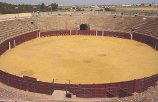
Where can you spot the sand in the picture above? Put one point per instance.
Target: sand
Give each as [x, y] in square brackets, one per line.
[81, 59]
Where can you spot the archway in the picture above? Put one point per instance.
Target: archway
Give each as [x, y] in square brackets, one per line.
[84, 27]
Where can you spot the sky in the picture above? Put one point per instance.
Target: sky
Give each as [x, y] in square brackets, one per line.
[81, 2]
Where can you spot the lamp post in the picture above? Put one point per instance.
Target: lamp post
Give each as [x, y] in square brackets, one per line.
[34, 10]
[16, 11]
[54, 83]
[67, 87]
[75, 28]
[153, 10]
[49, 9]
[66, 23]
[38, 9]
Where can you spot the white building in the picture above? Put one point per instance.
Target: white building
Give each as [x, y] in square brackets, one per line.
[94, 6]
[126, 5]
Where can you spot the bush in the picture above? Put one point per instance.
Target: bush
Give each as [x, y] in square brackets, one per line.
[99, 10]
[79, 9]
[109, 9]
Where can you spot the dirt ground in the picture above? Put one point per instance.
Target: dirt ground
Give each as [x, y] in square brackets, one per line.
[81, 59]
[13, 16]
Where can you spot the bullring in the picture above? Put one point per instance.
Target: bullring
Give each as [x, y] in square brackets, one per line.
[116, 89]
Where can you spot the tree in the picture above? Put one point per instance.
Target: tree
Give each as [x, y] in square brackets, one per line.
[43, 8]
[54, 6]
[6, 8]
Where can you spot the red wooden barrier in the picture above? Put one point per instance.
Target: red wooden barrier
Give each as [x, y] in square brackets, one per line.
[145, 39]
[87, 32]
[4, 46]
[25, 37]
[156, 46]
[55, 33]
[100, 33]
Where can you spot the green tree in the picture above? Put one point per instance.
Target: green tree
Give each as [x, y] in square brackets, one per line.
[54, 6]
[6, 8]
[43, 7]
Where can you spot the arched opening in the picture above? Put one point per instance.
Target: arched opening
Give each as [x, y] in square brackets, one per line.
[84, 27]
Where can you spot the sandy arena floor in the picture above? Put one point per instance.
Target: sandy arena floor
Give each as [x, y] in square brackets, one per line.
[81, 59]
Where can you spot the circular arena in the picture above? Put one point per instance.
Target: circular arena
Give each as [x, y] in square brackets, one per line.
[81, 59]
[86, 62]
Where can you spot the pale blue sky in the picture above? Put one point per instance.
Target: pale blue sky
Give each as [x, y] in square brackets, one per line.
[82, 2]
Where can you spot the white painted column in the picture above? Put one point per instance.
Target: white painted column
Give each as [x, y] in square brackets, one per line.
[9, 45]
[76, 32]
[102, 33]
[14, 43]
[39, 35]
[131, 36]
[156, 45]
[70, 32]
[96, 33]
